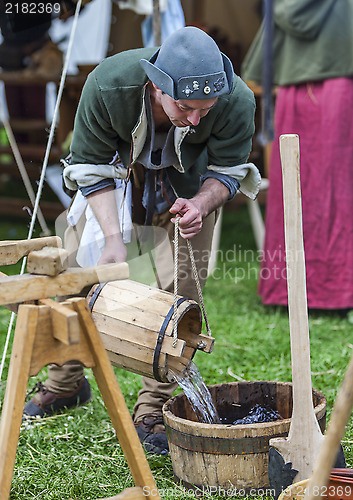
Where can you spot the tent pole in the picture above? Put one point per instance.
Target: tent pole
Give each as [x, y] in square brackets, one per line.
[157, 23]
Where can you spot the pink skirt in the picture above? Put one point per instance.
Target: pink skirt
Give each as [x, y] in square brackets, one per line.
[322, 115]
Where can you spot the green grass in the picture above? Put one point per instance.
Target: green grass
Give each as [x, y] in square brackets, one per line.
[76, 455]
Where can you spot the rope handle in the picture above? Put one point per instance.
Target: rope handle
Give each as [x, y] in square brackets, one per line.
[196, 278]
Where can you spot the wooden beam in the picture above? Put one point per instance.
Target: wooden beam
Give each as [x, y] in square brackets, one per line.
[49, 261]
[13, 250]
[65, 322]
[31, 287]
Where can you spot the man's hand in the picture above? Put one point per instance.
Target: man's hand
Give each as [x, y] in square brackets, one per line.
[211, 195]
[114, 250]
[190, 222]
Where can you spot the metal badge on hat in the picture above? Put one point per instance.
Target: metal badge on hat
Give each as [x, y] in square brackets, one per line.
[207, 88]
[219, 84]
[188, 91]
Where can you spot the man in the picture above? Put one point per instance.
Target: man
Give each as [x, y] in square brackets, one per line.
[182, 123]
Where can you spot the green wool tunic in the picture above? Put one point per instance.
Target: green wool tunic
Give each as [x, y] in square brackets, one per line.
[297, 24]
[111, 109]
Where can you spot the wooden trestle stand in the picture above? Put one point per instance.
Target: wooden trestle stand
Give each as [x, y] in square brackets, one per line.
[52, 332]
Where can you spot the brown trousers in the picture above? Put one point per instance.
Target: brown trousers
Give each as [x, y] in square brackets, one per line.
[153, 394]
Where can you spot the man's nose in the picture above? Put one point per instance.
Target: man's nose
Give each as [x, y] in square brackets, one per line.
[194, 117]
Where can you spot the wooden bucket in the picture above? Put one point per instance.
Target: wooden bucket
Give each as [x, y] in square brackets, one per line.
[135, 322]
[216, 457]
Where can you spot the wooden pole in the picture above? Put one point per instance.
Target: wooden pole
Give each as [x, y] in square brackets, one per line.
[304, 440]
[157, 36]
[15, 394]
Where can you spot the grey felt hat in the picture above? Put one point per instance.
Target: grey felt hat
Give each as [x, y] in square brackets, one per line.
[190, 65]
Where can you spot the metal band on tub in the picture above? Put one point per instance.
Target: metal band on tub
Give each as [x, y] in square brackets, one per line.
[94, 295]
[157, 350]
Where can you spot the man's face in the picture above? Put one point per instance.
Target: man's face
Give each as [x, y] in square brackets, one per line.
[186, 112]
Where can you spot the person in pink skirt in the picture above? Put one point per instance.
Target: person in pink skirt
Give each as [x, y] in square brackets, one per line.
[313, 69]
